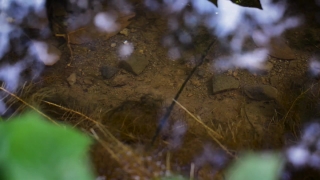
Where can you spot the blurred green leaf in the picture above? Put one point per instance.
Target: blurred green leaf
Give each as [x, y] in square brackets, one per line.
[174, 177]
[256, 166]
[32, 148]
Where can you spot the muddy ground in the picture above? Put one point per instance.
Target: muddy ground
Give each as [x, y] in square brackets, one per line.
[256, 111]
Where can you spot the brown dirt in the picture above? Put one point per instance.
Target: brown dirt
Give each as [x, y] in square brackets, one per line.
[132, 110]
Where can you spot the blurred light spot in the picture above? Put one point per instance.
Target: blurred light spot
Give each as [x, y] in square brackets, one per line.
[203, 6]
[10, 74]
[106, 22]
[178, 130]
[176, 5]
[185, 37]
[41, 50]
[152, 5]
[314, 67]
[82, 4]
[314, 160]
[168, 41]
[125, 50]
[173, 23]
[190, 19]
[174, 53]
[298, 156]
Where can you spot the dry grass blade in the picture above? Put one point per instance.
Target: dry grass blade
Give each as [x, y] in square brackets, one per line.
[27, 104]
[133, 163]
[72, 111]
[198, 120]
[192, 171]
[295, 101]
[208, 129]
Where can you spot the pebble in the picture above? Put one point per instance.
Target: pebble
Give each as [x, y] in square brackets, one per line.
[180, 72]
[229, 72]
[195, 82]
[108, 72]
[135, 64]
[113, 44]
[201, 73]
[264, 80]
[87, 81]
[72, 79]
[261, 92]
[120, 80]
[235, 73]
[223, 82]
[125, 31]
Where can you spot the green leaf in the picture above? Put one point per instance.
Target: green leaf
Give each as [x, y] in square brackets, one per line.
[32, 148]
[173, 177]
[256, 166]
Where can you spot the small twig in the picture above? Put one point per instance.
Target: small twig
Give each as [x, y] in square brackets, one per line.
[70, 49]
[94, 134]
[66, 36]
[166, 116]
[207, 128]
[27, 104]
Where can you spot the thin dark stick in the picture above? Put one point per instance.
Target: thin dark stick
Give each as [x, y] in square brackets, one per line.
[164, 119]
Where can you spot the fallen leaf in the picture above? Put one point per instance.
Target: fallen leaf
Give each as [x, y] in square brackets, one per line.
[90, 32]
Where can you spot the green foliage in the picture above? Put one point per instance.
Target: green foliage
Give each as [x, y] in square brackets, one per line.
[256, 166]
[31, 148]
[174, 177]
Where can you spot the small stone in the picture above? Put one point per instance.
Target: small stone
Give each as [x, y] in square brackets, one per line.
[189, 95]
[83, 49]
[235, 74]
[223, 82]
[264, 80]
[135, 64]
[279, 49]
[72, 79]
[294, 64]
[195, 82]
[180, 72]
[201, 73]
[108, 72]
[261, 92]
[125, 31]
[268, 67]
[119, 81]
[113, 45]
[87, 81]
